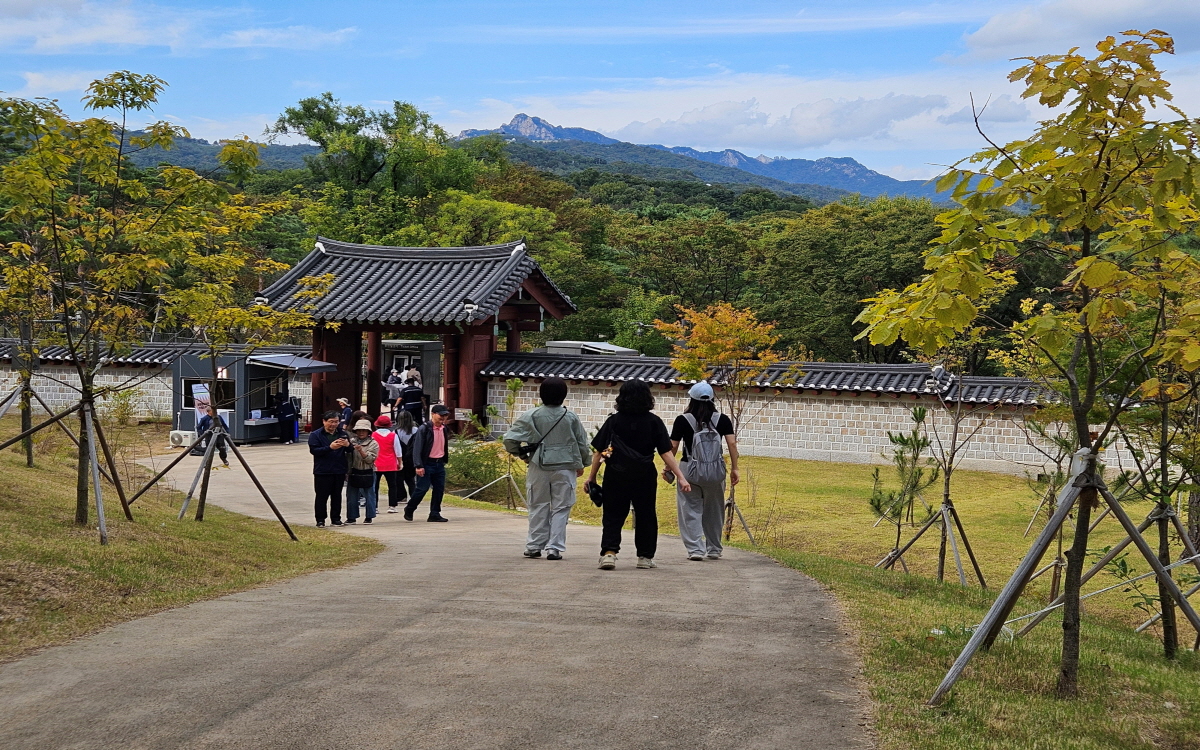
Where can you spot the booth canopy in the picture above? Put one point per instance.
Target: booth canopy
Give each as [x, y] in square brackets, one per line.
[302, 365]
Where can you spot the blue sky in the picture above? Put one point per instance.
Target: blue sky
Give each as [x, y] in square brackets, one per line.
[888, 83]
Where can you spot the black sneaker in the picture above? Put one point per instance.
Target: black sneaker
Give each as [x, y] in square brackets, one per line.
[351, 521]
[532, 553]
[407, 516]
[553, 555]
[320, 524]
[369, 520]
[437, 519]
[337, 523]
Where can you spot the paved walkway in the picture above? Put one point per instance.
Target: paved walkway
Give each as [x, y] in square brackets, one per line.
[450, 639]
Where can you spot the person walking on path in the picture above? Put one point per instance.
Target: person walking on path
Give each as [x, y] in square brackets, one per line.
[630, 438]
[700, 430]
[387, 464]
[411, 398]
[431, 451]
[205, 424]
[557, 461]
[360, 484]
[330, 448]
[345, 413]
[405, 431]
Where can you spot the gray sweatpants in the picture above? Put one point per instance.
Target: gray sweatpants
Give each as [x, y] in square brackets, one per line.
[701, 517]
[551, 496]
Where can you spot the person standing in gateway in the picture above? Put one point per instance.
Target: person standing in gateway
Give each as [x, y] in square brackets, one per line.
[557, 461]
[700, 430]
[431, 451]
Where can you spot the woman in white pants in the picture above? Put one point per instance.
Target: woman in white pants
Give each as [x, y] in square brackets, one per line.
[700, 430]
[562, 452]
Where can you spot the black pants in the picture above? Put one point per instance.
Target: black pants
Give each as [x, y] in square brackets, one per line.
[408, 481]
[621, 492]
[395, 488]
[329, 490]
[435, 479]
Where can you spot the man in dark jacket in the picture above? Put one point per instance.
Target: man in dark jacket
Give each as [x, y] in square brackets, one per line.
[431, 451]
[410, 398]
[330, 449]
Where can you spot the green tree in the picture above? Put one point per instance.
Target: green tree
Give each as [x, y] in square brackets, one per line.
[817, 269]
[1108, 192]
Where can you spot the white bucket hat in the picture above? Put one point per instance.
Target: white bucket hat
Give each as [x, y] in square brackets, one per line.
[362, 424]
[701, 391]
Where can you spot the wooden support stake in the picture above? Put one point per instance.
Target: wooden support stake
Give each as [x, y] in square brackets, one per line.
[1164, 576]
[262, 490]
[170, 466]
[898, 554]
[970, 552]
[87, 420]
[35, 428]
[962, 576]
[199, 473]
[112, 466]
[216, 443]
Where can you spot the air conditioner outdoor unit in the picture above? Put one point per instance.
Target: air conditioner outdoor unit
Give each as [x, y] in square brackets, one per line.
[182, 438]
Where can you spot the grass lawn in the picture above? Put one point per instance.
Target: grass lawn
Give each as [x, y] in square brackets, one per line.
[57, 582]
[814, 517]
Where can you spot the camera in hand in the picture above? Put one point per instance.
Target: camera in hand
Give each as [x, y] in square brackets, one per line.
[526, 451]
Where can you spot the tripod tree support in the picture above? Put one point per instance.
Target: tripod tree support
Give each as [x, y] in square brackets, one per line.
[986, 632]
[112, 464]
[212, 444]
[262, 490]
[170, 466]
[216, 443]
[35, 428]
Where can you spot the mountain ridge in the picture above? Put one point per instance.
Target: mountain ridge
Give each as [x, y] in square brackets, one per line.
[839, 173]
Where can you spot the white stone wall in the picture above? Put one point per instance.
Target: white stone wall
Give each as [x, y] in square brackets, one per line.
[58, 387]
[841, 429]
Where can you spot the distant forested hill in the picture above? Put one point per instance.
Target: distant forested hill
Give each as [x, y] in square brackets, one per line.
[565, 157]
[201, 155]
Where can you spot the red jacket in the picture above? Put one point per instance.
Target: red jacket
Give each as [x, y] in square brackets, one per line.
[389, 451]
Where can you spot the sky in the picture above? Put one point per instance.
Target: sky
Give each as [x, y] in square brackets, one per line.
[887, 83]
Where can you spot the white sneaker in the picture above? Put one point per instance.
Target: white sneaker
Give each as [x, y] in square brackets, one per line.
[714, 555]
[609, 561]
[646, 562]
[696, 556]
[393, 510]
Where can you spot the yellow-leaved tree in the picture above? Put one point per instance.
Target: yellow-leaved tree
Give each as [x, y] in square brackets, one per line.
[1105, 188]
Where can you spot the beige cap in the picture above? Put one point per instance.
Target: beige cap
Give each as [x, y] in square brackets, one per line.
[362, 424]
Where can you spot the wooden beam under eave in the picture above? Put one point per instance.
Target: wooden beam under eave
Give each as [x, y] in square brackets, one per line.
[553, 306]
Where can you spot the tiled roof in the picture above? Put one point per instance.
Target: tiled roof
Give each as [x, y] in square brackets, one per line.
[411, 285]
[146, 354]
[837, 377]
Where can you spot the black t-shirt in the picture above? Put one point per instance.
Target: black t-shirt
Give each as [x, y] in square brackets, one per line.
[645, 433]
[682, 432]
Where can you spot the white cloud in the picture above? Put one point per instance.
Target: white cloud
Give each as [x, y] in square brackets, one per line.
[46, 83]
[1001, 109]
[1056, 25]
[70, 26]
[290, 37]
[804, 126]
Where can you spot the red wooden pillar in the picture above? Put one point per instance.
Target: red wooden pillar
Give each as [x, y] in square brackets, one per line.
[513, 340]
[374, 376]
[450, 371]
[475, 350]
[344, 349]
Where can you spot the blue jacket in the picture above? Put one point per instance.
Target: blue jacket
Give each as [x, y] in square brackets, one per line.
[328, 460]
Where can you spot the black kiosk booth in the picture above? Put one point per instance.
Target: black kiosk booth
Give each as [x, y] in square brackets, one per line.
[246, 391]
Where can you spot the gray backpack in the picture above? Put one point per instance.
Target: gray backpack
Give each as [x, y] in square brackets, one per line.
[705, 462]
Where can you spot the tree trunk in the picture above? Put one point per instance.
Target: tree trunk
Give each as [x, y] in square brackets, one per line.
[1068, 672]
[83, 459]
[1193, 516]
[1170, 630]
[27, 417]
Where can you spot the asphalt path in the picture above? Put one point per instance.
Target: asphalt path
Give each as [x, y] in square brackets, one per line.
[451, 639]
